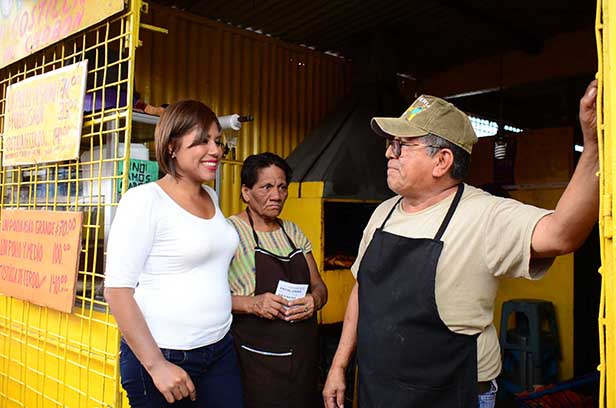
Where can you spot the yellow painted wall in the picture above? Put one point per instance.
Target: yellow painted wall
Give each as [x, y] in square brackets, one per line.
[307, 211]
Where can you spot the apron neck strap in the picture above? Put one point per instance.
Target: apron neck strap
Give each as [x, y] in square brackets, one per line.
[452, 209]
[390, 213]
[445, 223]
[254, 232]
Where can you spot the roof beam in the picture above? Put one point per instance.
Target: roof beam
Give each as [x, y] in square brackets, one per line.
[519, 38]
[564, 56]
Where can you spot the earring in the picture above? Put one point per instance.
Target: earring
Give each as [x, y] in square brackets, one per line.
[173, 155]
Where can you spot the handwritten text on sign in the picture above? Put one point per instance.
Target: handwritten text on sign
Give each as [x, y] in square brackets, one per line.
[139, 172]
[39, 255]
[44, 115]
[27, 26]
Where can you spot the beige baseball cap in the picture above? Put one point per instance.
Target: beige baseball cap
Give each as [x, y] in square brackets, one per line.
[429, 114]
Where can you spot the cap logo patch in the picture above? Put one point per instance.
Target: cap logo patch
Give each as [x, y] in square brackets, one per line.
[414, 112]
[418, 106]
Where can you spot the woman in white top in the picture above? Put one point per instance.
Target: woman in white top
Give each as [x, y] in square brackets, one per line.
[166, 276]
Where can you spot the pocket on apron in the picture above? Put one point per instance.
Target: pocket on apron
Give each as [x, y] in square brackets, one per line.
[267, 374]
[268, 353]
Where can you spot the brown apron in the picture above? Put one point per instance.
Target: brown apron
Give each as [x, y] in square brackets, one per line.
[278, 360]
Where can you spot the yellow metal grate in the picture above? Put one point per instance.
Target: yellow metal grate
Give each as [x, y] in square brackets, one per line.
[49, 358]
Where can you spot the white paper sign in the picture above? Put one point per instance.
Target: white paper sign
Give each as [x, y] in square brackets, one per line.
[44, 117]
[291, 291]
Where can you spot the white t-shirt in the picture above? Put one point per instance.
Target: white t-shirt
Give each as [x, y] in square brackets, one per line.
[487, 238]
[177, 263]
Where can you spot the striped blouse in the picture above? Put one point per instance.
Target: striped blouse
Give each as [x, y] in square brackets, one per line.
[242, 269]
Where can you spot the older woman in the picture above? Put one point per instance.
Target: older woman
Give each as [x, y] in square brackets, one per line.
[276, 337]
[166, 276]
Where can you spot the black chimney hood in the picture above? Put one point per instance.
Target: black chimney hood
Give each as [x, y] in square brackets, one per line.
[344, 152]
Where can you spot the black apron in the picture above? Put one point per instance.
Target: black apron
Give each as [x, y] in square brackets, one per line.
[278, 360]
[407, 356]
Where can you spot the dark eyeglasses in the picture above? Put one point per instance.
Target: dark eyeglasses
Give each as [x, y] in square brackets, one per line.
[396, 146]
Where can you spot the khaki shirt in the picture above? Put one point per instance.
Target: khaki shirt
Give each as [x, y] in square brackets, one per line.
[488, 238]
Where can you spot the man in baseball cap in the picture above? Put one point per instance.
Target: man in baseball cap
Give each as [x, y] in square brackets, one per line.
[420, 314]
[429, 115]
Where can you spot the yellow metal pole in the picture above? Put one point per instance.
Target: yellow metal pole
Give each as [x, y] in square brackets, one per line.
[606, 35]
[601, 322]
[154, 28]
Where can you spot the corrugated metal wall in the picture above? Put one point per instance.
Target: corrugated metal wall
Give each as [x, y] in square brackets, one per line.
[288, 89]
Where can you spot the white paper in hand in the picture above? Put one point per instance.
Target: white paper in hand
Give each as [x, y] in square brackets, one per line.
[291, 291]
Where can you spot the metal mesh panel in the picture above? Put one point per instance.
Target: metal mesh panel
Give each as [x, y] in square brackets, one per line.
[49, 358]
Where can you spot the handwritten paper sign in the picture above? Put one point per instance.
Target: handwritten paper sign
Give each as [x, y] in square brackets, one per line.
[39, 255]
[27, 26]
[44, 117]
[139, 172]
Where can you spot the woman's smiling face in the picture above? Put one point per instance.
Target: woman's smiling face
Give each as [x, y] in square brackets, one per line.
[198, 161]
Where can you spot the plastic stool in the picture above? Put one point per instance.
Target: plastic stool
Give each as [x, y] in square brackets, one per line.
[535, 351]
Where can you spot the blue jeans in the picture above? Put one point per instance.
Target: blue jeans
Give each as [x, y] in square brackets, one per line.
[488, 399]
[213, 369]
